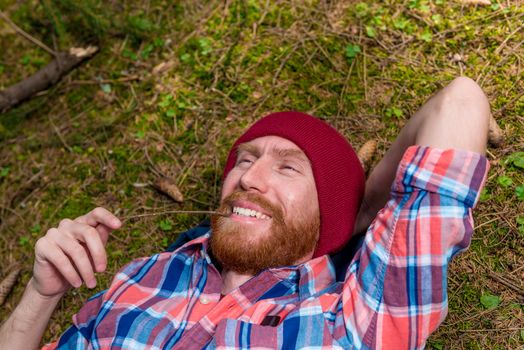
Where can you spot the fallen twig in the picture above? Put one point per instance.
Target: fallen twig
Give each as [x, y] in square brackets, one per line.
[48, 75]
[125, 218]
[27, 35]
[476, 2]
[105, 81]
[506, 282]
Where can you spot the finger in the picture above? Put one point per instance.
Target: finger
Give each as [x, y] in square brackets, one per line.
[100, 215]
[93, 241]
[78, 258]
[52, 254]
[104, 232]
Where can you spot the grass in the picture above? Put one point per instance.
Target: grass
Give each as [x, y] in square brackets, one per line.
[363, 66]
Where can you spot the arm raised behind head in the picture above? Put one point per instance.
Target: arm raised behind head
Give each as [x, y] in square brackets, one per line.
[455, 117]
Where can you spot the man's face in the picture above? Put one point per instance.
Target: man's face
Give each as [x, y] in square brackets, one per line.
[272, 195]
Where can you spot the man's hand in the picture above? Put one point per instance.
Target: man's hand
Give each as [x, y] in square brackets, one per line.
[71, 253]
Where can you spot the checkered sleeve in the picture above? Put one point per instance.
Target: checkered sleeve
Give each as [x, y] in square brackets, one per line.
[80, 334]
[395, 293]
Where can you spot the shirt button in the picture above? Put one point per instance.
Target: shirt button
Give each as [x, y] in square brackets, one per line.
[204, 300]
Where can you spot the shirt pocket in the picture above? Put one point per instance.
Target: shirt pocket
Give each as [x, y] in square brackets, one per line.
[302, 328]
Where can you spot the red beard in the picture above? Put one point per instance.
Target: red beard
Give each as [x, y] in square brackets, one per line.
[283, 244]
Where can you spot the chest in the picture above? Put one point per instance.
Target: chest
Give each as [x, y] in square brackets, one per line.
[202, 320]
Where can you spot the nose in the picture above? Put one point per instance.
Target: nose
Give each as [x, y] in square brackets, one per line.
[256, 177]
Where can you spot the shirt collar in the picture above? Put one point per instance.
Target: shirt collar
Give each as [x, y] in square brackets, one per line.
[309, 278]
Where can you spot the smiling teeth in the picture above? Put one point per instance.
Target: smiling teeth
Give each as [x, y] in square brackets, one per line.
[249, 213]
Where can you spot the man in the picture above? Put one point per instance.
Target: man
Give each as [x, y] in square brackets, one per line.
[264, 276]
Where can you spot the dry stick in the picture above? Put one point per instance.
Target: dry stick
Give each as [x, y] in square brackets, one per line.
[506, 282]
[59, 134]
[105, 81]
[48, 75]
[481, 78]
[125, 218]
[507, 105]
[27, 35]
[492, 329]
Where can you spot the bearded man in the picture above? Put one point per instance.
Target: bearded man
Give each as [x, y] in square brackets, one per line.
[266, 276]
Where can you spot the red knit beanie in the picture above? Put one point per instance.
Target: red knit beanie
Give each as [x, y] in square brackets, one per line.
[339, 177]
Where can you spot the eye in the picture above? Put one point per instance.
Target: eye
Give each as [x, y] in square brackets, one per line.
[290, 168]
[244, 160]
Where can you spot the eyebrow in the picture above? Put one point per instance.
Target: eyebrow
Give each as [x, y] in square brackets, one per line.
[279, 152]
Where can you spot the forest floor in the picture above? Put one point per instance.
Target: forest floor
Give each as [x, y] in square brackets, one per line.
[175, 82]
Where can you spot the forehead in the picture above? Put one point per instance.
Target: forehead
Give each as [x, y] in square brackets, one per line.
[275, 145]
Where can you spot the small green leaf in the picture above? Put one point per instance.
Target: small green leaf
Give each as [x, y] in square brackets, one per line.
[520, 220]
[517, 159]
[361, 9]
[4, 171]
[166, 101]
[352, 50]
[394, 111]
[436, 19]
[371, 32]
[426, 35]
[424, 8]
[205, 46]
[147, 51]
[140, 134]
[185, 58]
[23, 241]
[106, 88]
[484, 195]
[1, 69]
[140, 24]
[522, 334]
[35, 229]
[166, 225]
[158, 42]
[439, 345]
[489, 301]
[400, 23]
[128, 54]
[519, 191]
[170, 113]
[504, 181]
[26, 59]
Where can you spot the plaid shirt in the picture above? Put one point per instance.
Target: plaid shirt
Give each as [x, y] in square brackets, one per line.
[393, 295]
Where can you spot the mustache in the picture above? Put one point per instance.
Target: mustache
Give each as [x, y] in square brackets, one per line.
[226, 206]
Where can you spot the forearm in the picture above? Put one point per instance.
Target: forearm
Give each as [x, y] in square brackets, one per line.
[24, 328]
[378, 184]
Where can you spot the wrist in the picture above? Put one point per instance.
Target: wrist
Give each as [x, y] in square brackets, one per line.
[34, 292]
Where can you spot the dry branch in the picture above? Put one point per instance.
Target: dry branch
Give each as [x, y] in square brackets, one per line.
[476, 2]
[27, 35]
[8, 283]
[48, 75]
